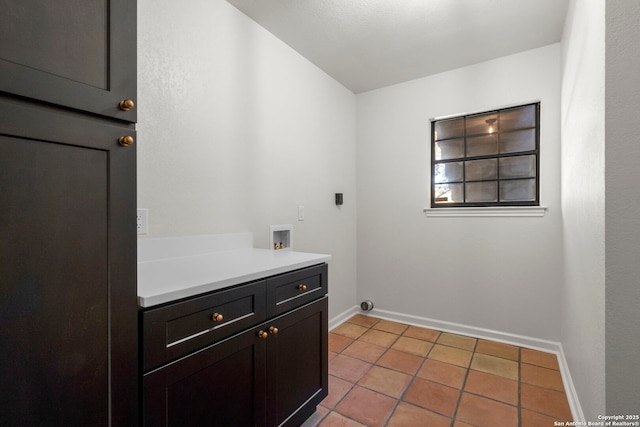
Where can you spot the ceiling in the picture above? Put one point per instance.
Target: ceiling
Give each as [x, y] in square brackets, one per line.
[369, 44]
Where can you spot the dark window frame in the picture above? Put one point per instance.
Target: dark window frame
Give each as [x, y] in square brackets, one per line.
[466, 158]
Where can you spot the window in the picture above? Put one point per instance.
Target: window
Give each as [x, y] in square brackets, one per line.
[487, 159]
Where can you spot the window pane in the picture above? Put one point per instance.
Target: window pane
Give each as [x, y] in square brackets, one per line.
[519, 190]
[449, 193]
[482, 145]
[522, 140]
[445, 129]
[518, 118]
[483, 124]
[482, 169]
[447, 172]
[482, 191]
[487, 158]
[450, 149]
[518, 167]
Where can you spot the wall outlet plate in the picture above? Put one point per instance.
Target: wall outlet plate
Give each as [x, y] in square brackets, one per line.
[142, 221]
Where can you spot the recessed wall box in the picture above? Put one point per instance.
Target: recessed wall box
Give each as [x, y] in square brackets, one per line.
[338, 199]
[281, 237]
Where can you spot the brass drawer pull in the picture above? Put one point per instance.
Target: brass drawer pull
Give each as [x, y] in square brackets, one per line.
[273, 330]
[263, 335]
[126, 141]
[302, 287]
[217, 317]
[126, 105]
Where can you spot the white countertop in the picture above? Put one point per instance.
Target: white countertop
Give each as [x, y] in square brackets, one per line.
[166, 279]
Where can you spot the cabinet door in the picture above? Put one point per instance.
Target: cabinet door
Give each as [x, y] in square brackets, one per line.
[222, 385]
[67, 271]
[76, 53]
[297, 362]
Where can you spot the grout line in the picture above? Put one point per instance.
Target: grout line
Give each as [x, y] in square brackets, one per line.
[415, 375]
[519, 386]
[464, 383]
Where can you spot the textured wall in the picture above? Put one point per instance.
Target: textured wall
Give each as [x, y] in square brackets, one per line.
[503, 274]
[622, 228]
[583, 201]
[236, 130]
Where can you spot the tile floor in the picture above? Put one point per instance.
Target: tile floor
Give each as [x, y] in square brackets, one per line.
[383, 373]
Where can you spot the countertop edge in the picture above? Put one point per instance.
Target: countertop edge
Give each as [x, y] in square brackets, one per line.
[146, 302]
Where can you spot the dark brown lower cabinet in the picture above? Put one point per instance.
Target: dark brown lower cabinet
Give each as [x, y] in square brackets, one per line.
[297, 370]
[272, 374]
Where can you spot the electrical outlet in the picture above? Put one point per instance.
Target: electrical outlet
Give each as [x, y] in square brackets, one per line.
[142, 217]
[300, 213]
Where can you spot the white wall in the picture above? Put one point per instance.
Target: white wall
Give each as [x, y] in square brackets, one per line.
[503, 274]
[622, 229]
[236, 130]
[583, 201]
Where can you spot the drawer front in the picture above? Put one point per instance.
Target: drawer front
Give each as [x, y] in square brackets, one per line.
[175, 330]
[291, 290]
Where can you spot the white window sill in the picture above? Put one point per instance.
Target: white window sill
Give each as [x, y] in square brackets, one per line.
[512, 211]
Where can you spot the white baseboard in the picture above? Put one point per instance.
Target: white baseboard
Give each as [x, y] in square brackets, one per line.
[473, 331]
[342, 317]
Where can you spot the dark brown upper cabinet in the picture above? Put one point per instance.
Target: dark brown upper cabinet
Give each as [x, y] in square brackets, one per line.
[73, 53]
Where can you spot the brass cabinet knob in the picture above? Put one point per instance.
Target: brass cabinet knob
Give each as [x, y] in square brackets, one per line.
[126, 104]
[302, 287]
[273, 330]
[126, 140]
[217, 317]
[263, 335]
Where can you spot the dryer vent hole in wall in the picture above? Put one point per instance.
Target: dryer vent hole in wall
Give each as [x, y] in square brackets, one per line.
[366, 305]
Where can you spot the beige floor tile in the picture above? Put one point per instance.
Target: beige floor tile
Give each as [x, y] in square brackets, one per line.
[498, 349]
[337, 343]
[385, 381]
[385, 373]
[381, 338]
[388, 326]
[367, 406]
[400, 361]
[482, 412]
[338, 388]
[334, 419]
[542, 377]
[443, 373]
[412, 346]
[421, 333]
[364, 351]
[545, 401]
[540, 358]
[350, 330]
[362, 320]
[492, 386]
[407, 415]
[495, 365]
[455, 356]
[433, 396]
[348, 368]
[458, 341]
[535, 419]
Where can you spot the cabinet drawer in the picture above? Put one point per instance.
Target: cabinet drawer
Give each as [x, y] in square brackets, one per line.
[177, 329]
[291, 290]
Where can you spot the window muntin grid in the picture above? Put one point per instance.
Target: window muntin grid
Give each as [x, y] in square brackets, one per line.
[487, 159]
